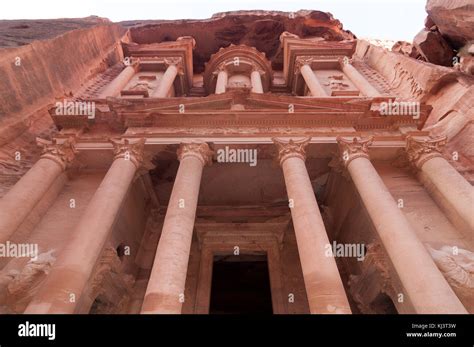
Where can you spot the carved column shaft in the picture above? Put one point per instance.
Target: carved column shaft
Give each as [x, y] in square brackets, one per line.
[165, 291]
[256, 80]
[424, 285]
[221, 83]
[166, 82]
[115, 87]
[72, 270]
[360, 81]
[312, 82]
[323, 283]
[30, 189]
[447, 186]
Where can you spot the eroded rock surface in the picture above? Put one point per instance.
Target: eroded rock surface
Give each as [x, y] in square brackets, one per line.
[259, 29]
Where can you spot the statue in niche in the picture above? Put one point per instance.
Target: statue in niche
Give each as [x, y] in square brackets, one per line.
[144, 83]
[336, 82]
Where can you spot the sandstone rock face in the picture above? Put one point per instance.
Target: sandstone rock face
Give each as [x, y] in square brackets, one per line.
[405, 48]
[454, 19]
[21, 32]
[433, 47]
[34, 75]
[259, 29]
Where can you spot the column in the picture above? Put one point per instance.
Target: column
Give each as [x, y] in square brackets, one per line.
[323, 283]
[221, 83]
[29, 190]
[63, 287]
[442, 180]
[165, 291]
[256, 80]
[303, 65]
[116, 86]
[359, 81]
[424, 285]
[174, 65]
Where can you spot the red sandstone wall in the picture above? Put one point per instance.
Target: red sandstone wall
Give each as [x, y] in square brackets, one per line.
[34, 75]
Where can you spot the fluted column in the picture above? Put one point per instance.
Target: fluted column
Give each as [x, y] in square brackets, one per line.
[62, 290]
[165, 291]
[174, 67]
[323, 283]
[29, 190]
[423, 283]
[256, 80]
[221, 83]
[303, 66]
[356, 77]
[441, 179]
[115, 87]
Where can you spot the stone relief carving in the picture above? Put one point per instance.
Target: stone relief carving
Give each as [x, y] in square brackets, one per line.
[110, 288]
[374, 280]
[336, 82]
[402, 74]
[19, 287]
[457, 266]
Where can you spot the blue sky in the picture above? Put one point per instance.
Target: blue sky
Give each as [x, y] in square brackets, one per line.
[384, 19]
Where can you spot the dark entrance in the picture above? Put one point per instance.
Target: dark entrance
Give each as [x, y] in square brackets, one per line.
[240, 284]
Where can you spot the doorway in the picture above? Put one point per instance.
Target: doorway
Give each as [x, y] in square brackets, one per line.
[240, 285]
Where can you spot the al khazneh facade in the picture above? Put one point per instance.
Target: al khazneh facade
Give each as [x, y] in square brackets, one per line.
[134, 213]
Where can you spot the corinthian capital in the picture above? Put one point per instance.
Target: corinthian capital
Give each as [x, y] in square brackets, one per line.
[301, 61]
[61, 153]
[352, 149]
[129, 149]
[177, 62]
[420, 151]
[197, 150]
[291, 149]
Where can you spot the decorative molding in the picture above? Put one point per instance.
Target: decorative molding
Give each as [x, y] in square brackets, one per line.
[126, 149]
[350, 150]
[197, 150]
[291, 149]
[61, 153]
[420, 151]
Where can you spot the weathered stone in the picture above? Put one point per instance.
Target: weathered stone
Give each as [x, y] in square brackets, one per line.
[433, 48]
[405, 48]
[454, 20]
